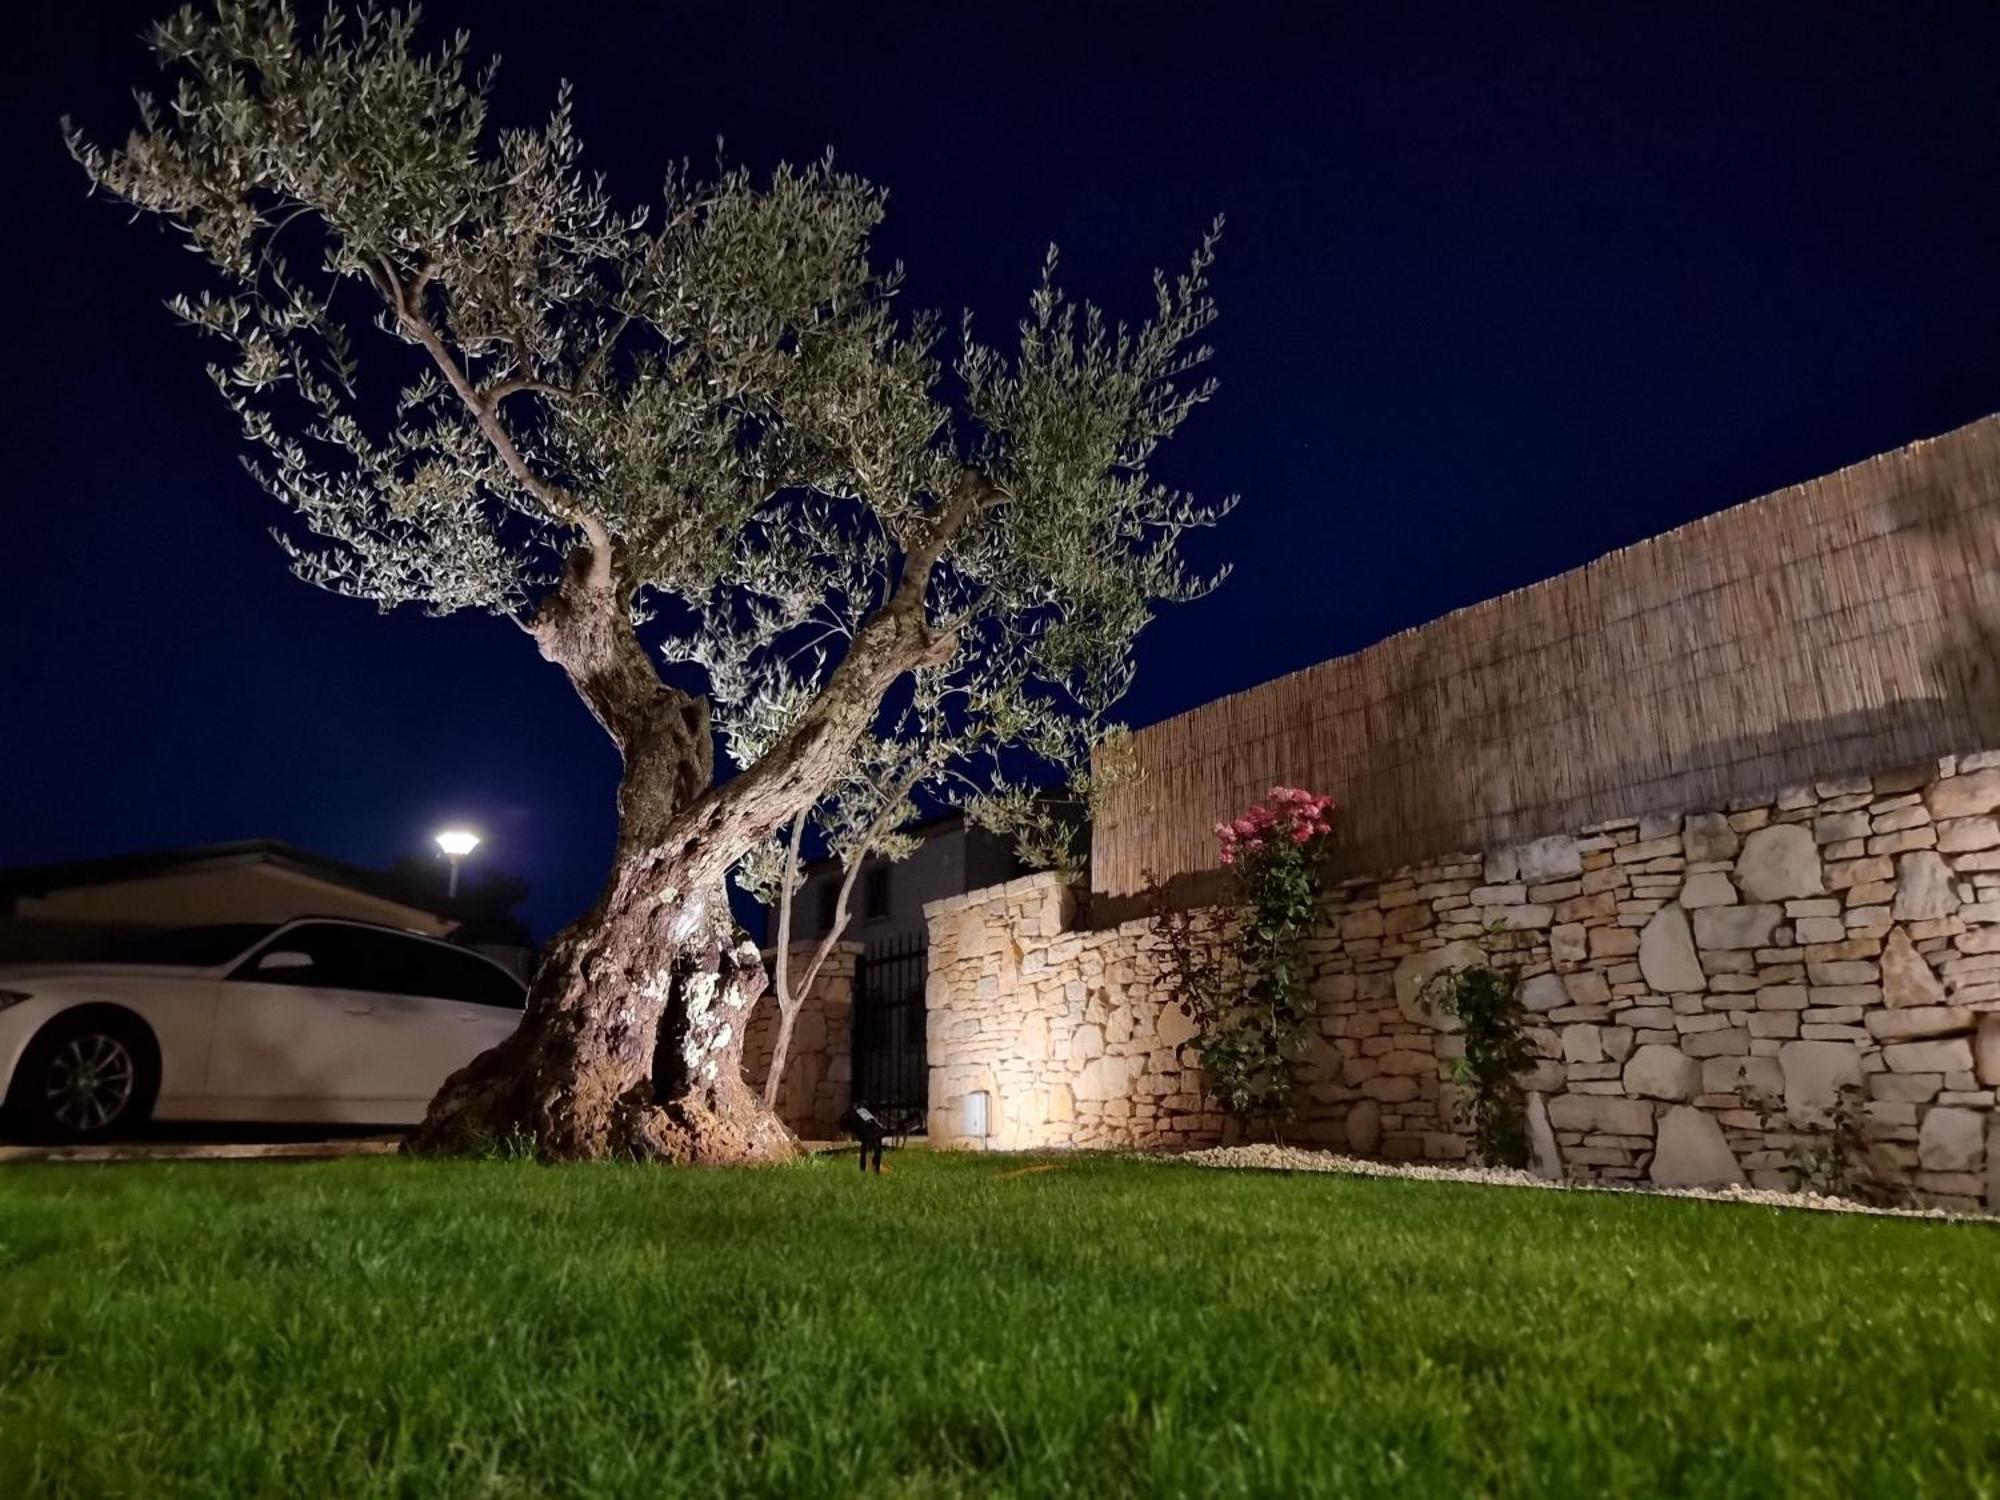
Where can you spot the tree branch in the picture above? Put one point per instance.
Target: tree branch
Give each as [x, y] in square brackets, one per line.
[559, 503]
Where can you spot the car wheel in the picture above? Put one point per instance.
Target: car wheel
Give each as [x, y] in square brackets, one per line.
[90, 1075]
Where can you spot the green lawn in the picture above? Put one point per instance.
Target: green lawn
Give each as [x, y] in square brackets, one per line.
[963, 1326]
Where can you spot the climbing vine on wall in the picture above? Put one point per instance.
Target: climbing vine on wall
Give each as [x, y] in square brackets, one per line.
[1486, 1004]
[1241, 974]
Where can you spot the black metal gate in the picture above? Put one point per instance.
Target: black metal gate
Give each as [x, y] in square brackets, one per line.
[891, 1070]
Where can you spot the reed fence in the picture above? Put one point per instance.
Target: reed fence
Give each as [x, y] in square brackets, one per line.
[1846, 624]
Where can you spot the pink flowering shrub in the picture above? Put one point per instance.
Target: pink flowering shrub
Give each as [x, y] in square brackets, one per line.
[1288, 815]
[1252, 1004]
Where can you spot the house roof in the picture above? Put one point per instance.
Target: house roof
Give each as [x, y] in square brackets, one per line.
[927, 828]
[40, 880]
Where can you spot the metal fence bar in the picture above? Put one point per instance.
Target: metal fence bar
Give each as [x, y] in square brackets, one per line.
[891, 1067]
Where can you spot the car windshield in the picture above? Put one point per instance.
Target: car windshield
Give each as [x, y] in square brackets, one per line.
[192, 947]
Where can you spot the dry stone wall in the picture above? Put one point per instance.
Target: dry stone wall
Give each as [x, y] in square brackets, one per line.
[1701, 987]
[820, 1061]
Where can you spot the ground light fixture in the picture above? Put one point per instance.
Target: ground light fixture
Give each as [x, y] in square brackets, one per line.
[456, 844]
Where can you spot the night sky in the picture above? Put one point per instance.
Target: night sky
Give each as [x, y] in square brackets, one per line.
[1503, 288]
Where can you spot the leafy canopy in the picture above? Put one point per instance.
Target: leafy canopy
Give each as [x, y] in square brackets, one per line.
[460, 360]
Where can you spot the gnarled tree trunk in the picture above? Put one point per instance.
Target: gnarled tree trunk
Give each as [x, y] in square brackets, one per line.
[631, 1043]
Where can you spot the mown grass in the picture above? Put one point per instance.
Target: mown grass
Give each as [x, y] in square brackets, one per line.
[963, 1326]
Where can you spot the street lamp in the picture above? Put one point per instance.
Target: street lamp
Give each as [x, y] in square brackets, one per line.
[456, 844]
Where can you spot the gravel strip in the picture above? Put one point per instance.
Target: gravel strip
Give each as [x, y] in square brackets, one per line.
[1268, 1158]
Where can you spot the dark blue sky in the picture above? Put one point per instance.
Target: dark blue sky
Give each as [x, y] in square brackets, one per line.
[1503, 287]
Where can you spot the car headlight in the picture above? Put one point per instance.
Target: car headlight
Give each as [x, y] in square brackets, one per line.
[12, 997]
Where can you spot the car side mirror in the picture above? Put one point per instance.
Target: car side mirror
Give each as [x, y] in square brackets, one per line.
[284, 958]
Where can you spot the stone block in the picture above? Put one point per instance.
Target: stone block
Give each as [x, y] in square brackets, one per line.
[1850, 873]
[1966, 796]
[1708, 889]
[1913, 1088]
[1814, 1074]
[1778, 862]
[1649, 850]
[1406, 919]
[1730, 1041]
[1666, 952]
[1656, 1072]
[1953, 1056]
[1736, 926]
[1545, 1156]
[1391, 1089]
[1962, 835]
[1545, 992]
[1951, 1140]
[1175, 1028]
[1845, 971]
[1782, 997]
[1106, 1078]
[1692, 1151]
[1586, 987]
[1365, 923]
[1833, 828]
[1581, 1044]
[1364, 1127]
[1895, 820]
[1918, 1021]
[1842, 995]
[1986, 1051]
[1708, 836]
[1616, 942]
[1601, 1113]
[1758, 1077]
[1923, 887]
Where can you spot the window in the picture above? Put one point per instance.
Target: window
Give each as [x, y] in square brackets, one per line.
[468, 977]
[194, 947]
[829, 904]
[336, 958]
[340, 957]
[875, 893]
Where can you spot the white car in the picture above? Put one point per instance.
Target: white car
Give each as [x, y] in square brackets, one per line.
[313, 1021]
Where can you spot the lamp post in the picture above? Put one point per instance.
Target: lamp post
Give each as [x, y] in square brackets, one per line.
[456, 844]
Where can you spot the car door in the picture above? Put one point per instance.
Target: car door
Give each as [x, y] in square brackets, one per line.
[469, 1004]
[438, 1007]
[297, 1029]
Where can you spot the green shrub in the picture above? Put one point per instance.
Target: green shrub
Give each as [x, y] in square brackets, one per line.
[1486, 1003]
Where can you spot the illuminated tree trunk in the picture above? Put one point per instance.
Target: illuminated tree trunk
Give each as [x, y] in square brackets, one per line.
[631, 1044]
[632, 1040]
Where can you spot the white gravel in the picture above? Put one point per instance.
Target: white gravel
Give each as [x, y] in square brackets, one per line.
[1269, 1158]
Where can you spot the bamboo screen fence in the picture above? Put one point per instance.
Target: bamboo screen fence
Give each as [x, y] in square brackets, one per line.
[1850, 623]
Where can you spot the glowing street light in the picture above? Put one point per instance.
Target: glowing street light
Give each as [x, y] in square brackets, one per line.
[456, 844]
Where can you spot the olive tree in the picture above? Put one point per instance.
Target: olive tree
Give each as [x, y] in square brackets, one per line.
[786, 541]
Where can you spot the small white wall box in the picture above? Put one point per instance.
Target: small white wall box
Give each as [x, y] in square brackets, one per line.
[975, 1114]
